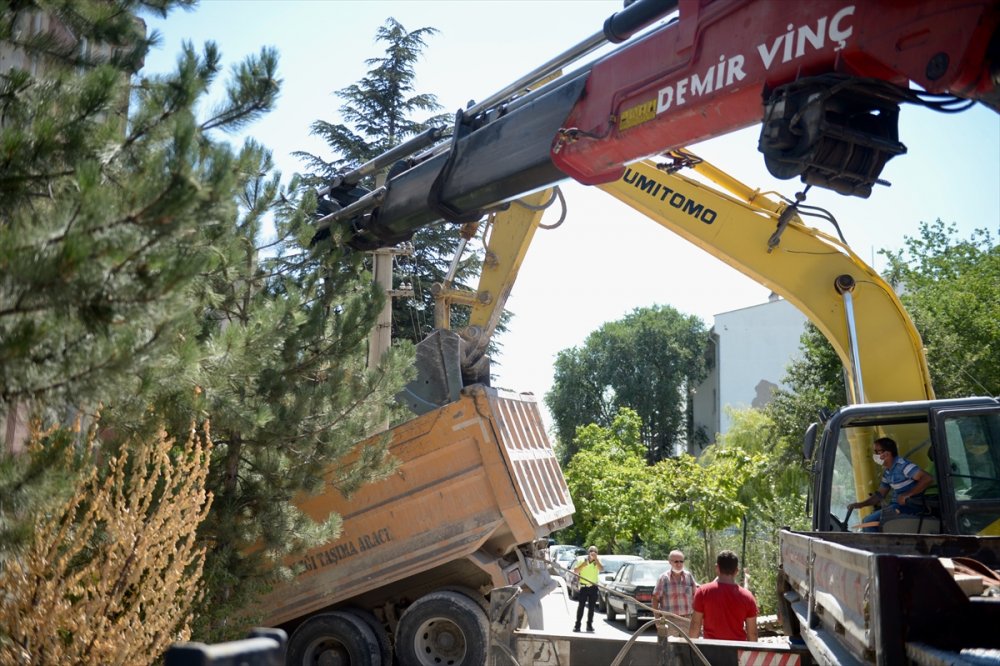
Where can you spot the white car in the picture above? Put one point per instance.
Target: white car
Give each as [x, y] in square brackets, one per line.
[557, 548]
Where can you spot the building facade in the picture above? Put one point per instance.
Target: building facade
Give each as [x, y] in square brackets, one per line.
[749, 351]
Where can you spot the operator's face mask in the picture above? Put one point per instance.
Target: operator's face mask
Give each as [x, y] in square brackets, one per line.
[877, 457]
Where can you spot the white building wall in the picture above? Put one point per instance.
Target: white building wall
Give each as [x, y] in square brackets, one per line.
[753, 347]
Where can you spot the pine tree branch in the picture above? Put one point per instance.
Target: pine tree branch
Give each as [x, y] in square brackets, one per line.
[8, 180]
[71, 380]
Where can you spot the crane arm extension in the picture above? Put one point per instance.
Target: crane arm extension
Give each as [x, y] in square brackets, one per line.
[704, 75]
[830, 74]
[803, 269]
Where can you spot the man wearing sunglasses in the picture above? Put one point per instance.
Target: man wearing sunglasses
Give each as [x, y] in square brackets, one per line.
[674, 593]
[904, 479]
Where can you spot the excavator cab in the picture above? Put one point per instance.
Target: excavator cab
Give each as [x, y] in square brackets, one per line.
[957, 442]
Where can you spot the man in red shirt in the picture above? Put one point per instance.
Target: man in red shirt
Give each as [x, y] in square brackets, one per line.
[727, 611]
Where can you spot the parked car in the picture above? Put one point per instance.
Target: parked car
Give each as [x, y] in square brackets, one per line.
[556, 548]
[564, 562]
[632, 585]
[612, 563]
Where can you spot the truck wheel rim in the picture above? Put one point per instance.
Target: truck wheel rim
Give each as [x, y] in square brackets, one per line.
[327, 652]
[439, 642]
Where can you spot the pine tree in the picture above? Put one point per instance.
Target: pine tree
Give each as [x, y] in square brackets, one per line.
[134, 273]
[377, 113]
[114, 198]
[286, 384]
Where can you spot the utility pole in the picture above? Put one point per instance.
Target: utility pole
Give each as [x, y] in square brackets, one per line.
[381, 336]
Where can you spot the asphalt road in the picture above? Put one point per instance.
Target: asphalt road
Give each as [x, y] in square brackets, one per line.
[560, 613]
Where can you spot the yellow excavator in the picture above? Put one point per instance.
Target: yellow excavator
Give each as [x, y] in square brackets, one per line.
[825, 79]
[850, 598]
[889, 386]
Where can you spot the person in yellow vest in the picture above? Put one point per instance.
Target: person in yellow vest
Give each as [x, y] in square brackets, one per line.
[587, 568]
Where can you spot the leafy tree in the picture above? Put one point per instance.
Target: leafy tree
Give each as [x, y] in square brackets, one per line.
[113, 577]
[774, 497]
[610, 483]
[949, 287]
[626, 505]
[378, 114]
[646, 361]
[782, 476]
[710, 493]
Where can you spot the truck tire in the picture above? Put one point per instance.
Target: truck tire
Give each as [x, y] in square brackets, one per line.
[381, 635]
[442, 629]
[472, 594]
[336, 637]
[631, 618]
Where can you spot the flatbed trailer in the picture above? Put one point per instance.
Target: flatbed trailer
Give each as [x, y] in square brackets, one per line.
[887, 599]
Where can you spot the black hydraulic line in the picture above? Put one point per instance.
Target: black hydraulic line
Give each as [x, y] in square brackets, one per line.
[617, 28]
[426, 138]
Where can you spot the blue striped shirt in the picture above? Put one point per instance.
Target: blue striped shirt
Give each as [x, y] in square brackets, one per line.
[899, 477]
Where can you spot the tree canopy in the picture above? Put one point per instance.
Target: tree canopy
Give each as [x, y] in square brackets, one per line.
[647, 361]
[611, 486]
[949, 286]
[114, 201]
[378, 108]
[625, 505]
[379, 113]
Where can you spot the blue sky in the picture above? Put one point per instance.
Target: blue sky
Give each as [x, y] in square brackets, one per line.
[605, 260]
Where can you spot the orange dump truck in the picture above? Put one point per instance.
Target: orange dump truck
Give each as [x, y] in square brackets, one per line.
[477, 486]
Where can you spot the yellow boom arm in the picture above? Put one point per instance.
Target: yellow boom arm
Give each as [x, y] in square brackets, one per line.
[802, 268]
